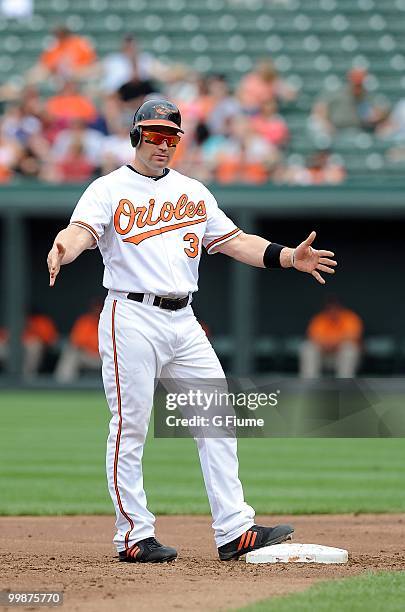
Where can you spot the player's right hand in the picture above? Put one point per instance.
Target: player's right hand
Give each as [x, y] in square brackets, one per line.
[54, 260]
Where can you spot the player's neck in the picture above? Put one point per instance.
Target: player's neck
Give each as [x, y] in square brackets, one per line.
[140, 167]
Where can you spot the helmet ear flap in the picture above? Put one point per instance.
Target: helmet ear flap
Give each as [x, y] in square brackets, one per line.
[135, 136]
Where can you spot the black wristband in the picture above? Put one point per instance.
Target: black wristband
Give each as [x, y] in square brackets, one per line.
[271, 256]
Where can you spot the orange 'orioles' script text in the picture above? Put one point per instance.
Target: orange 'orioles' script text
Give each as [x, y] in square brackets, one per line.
[142, 216]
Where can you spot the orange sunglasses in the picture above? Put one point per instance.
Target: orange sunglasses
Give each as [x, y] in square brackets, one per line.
[157, 138]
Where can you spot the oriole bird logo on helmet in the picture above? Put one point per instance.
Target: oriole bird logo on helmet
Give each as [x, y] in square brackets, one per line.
[155, 113]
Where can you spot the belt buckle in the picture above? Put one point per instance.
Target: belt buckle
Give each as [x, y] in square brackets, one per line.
[173, 300]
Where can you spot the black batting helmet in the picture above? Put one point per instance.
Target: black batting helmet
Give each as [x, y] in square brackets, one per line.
[155, 112]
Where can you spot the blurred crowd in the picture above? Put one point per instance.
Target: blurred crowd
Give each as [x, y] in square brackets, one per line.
[69, 122]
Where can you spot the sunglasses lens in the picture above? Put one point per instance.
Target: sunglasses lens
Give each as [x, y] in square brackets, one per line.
[174, 140]
[157, 138]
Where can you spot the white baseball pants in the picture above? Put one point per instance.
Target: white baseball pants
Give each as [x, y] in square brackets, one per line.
[138, 343]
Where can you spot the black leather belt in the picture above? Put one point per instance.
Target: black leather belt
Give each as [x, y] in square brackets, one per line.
[162, 302]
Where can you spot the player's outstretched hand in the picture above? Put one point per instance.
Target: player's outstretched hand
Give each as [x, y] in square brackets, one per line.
[55, 257]
[308, 259]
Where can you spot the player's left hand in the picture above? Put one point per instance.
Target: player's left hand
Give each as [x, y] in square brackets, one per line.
[308, 259]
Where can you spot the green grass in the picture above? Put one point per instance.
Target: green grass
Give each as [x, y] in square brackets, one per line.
[52, 457]
[375, 592]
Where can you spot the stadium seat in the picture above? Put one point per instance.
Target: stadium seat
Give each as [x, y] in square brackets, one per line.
[266, 354]
[289, 351]
[380, 355]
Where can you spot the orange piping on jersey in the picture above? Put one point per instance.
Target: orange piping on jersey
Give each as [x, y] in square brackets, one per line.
[88, 227]
[118, 439]
[211, 244]
[161, 230]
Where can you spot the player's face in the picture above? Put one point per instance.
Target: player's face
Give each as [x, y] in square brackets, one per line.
[155, 152]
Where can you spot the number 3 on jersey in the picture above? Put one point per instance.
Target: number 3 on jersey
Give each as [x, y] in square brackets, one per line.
[192, 249]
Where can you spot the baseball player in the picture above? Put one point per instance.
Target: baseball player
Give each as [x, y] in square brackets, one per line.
[150, 224]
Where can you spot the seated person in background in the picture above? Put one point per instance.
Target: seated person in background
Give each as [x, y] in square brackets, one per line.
[39, 334]
[262, 85]
[92, 141]
[394, 127]
[135, 90]
[116, 149]
[393, 131]
[269, 124]
[334, 340]
[10, 152]
[350, 107]
[121, 104]
[189, 156]
[75, 166]
[220, 104]
[23, 123]
[69, 55]
[82, 349]
[320, 169]
[240, 155]
[117, 68]
[69, 104]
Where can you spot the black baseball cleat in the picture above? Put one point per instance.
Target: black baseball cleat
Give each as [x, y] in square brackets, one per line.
[254, 538]
[148, 550]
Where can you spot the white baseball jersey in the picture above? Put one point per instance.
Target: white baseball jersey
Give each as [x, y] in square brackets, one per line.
[150, 231]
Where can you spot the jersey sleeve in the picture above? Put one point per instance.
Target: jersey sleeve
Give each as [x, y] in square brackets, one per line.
[93, 211]
[220, 228]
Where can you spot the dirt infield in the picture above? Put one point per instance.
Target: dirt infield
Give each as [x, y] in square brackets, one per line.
[75, 555]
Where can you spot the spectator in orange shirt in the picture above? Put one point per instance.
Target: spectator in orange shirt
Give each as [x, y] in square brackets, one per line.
[242, 155]
[334, 337]
[39, 334]
[82, 349]
[70, 104]
[69, 55]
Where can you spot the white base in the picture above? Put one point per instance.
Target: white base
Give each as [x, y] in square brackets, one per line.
[297, 553]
